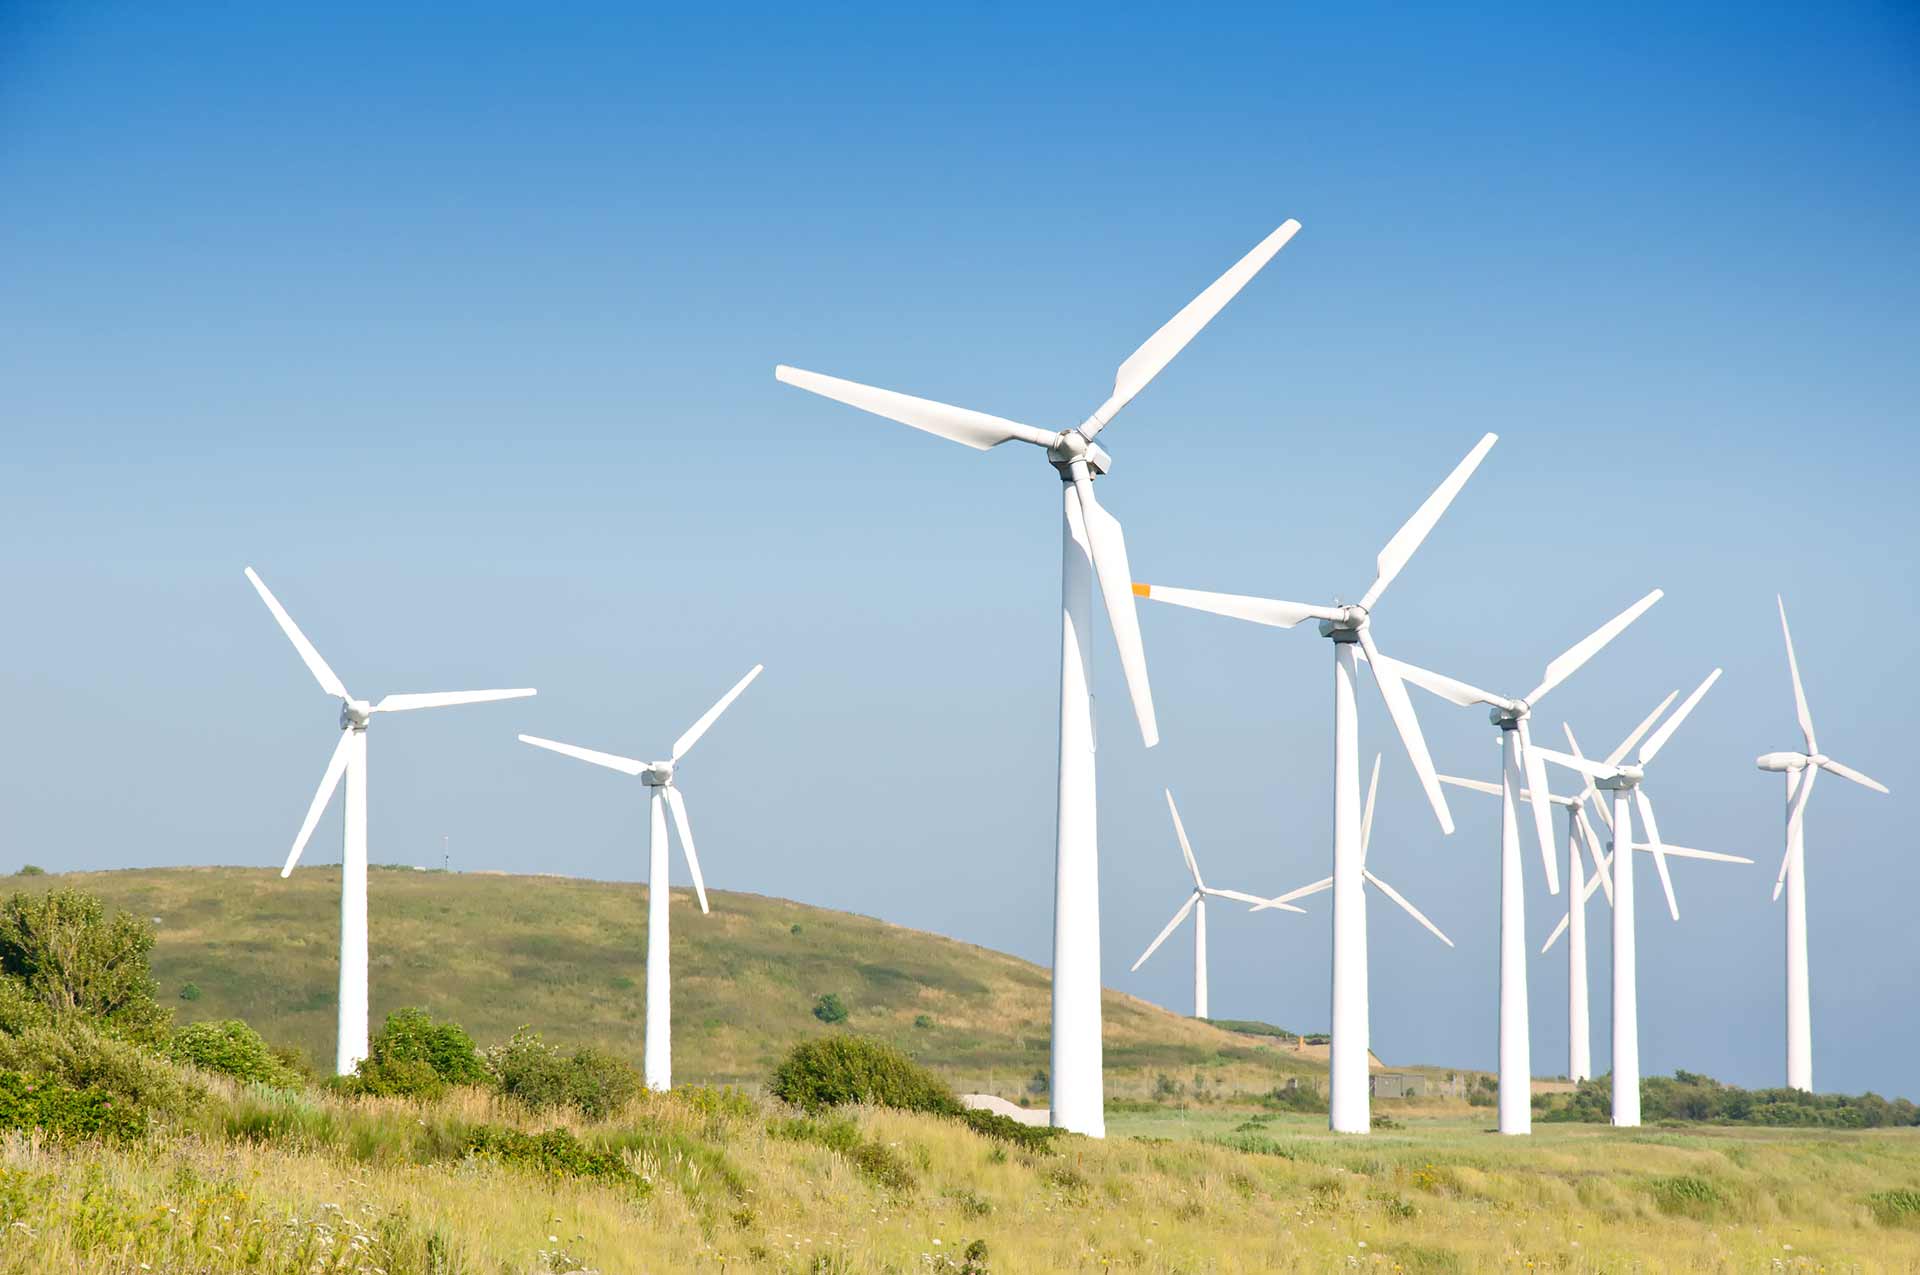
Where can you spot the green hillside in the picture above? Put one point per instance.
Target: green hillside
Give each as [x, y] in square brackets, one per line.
[566, 957]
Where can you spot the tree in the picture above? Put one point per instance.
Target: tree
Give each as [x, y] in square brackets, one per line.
[68, 954]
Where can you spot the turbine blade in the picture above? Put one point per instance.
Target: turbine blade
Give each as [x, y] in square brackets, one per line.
[1796, 815]
[1172, 925]
[1366, 815]
[1159, 349]
[1280, 901]
[1394, 692]
[1540, 797]
[1260, 904]
[677, 804]
[1642, 804]
[1597, 853]
[1599, 877]
[1186, 849]
[329, 680]
[683, 745]
[1554, 937]
[442, 699]
[1688, 852]
[1626, 745]
[1659, 738]
[1589, 646]
[1269, 611]
[1416, 529]
[612, 761]
[1411, 910]
[1799, 692]
[975, 429]
[1109, 547]
[336, 766]
[1478, 785]
[1848, 772]
[1451, 689]
[1596, 769]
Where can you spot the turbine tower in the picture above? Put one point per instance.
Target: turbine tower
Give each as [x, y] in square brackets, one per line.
[1350, 628]
[1579, 889]
[1799, 769]
[350, 759]
[1197, 904]
[663, 795]
[1522, 771]
[1092, 547]
[1623, 780]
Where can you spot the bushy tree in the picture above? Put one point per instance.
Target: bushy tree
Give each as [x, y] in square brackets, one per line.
[830, 1008]
[231, 1048]
[411, 1056]
[841, 1069]
[76, 960]
[593, 1082]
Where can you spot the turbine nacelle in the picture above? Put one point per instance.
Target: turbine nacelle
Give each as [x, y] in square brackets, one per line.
[355, 714]
[1347, 628]
[1785, 762]
[658, 774]
[1623, 778]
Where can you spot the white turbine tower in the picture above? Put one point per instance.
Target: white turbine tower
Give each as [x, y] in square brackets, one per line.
[662, 796]
[1366, 873]
[1579, 830]
[1623, 779]
[1522, 771]
[1197, 904]
[1800, 768]
[1350, 628]
[350, 759]
[1092, 546]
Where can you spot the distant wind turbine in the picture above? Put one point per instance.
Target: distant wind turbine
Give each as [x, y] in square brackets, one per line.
[1197, 904]
[1092, 548]
[350, 759]
[1800, 770]
[663, 795]
[1623, 779]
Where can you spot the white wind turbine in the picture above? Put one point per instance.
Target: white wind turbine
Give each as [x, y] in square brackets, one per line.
[1092, 546]
[350, 759]
[1522, 771]
[1800, 768]
[1350, 628]
[1197, 904]
[1579, 830]
[1623, 779]
[663, 795]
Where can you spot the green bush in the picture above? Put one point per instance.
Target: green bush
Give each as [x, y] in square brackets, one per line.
[555, 1153]
[31, 870]
[534, 1073]
[1685, 1195]
[414, 1057]
[1895, 1208]
[78, 961]
[62, 1111]
[923, 1021]
[1028, 1137]
[835, 1070]
[190, 992]
[231, 1048]
[82, 1057]
[830, 1008]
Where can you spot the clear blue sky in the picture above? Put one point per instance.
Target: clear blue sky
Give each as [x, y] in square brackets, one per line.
[462, 332]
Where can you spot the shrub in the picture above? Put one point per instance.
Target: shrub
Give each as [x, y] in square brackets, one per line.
[31, 870]
[1685, 1194]
[81, 1057]
[231, 1048]
[1303, 1098]
[830, 1008]
[536, 1074]
[190, 992]
[1039, 1083]
[835, 1070]
[923, 1021]
[74, 959]
[1028, 1137]
[555, 1153]
[414, 1057]
[62, 1111]
[1895, 1208]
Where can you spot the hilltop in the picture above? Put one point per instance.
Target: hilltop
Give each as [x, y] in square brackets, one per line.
[566, 957]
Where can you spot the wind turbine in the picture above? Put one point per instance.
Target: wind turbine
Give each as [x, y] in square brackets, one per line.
[1197, 904]
[1579, 830]
[1623, 780]
[1522, 771]
[1800, 768]
[350, 759]
[1350, 628]
[1092, 546]
[662, 795]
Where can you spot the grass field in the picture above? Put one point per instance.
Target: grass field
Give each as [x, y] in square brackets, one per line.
[566, 957]
[284, 1184]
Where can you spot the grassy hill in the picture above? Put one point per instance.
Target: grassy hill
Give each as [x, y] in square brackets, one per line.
[567, 957]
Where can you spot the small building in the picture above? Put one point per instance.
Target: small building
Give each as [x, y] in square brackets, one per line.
[1398, 1084]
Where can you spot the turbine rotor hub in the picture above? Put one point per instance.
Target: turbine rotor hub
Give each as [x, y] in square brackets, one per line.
[1070, 445]
[1627, 777]
[1509, 716]
[1347, 629]
[355, 714]
[658, 774]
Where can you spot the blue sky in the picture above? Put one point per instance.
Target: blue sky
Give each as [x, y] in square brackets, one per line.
[463, 334]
